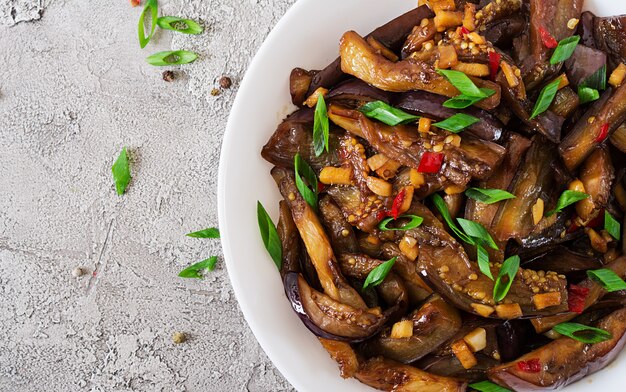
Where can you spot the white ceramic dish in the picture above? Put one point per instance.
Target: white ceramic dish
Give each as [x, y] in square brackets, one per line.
[307, 36]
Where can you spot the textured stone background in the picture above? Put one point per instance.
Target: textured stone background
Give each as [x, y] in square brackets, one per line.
[74, 89]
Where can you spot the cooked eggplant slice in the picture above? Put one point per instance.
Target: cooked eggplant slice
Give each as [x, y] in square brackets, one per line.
[533, 181]
[295, 135]
[450, 366]
[359, 59]
[609, 36]
[328, 318]
[433, 324]
[299, 82]
[594, 293]
[604, 117]
[387, 375]
[316, 242]
[618, 138]
[289, 239]
[445, 266]
[341, 234]
[356, 90]
[597, 175]
[360, 210]
[585, 61]
[392, 35]
[564, 360]
[343, 354]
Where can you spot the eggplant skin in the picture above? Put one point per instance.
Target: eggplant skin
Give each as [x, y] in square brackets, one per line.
[343, 354]
[564, 360]
[387, 375]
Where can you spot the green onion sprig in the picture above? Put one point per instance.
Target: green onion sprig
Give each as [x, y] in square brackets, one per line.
[509, 271]
[378, 274]
[321, 127]
[566, 199]
[387, 114]
[583, 333]
[302, 169]
[121, 172]
[488, 196]
[172, 57]
[415, 221]
[546, 96]
[565, 49]
[153, 7]
[269, 234]
[211, 232]
[194, 271]
[174, 23]
[608, 279]
[457, 123]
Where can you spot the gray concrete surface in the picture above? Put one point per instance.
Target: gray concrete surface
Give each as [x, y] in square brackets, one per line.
[75, 89]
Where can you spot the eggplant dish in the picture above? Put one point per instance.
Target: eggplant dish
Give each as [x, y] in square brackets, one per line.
[453, 191]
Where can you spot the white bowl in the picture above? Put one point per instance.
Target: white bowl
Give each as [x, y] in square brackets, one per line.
[307, 36]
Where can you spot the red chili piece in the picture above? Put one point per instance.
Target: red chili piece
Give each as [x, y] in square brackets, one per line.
[530, 366]
[548, 39]
[431, 163]
[598, 221]
[382, 214]
[494, 63]
[464, 31]
[320, 187]
[576, 298]
[397, 203]
[604, 133]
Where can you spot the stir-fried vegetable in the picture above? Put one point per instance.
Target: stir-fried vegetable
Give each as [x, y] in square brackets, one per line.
[436, 229]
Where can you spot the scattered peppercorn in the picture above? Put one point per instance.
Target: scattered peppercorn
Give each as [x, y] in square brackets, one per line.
[78, 272]
[179, 337]
[168, 76]
[215, 92]
[225, 82]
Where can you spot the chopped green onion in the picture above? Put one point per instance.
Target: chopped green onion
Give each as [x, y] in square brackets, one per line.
[302, 169]
[440, 204]
[488, 386]
[477, 231]
[463, 83]
[567, 198]
[457, 123]
[609, 280]
[482, 258]
[464, 101]
[612, 226]
[414, 222]
[583, 333]
[488, 196]
[185, 26]
[509, 269]
[172, 57]
[378, 274]
[320, 127]
[546, 97]
[587, 94]
[269, 235]
[387, 114]
[153, 6]
[121, 172]
[565, 49]
[211, 232]
[597, 80]
[193, 271]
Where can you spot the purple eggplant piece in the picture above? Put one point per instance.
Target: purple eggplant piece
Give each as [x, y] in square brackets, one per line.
[585, 29]
[295, 135]
[584, 62]
[429, 104]
[450, 366]
[289, 239]
[391, 35]
[357, 90]
[610, 37]
[327, 318]
[565, 261]
[564, 360]
[502, 32]
[299, 82]
[341, 234]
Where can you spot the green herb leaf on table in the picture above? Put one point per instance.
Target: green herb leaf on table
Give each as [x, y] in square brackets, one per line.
[566, 199]
[608, 279]
[488, 196]
[153, 7]
[174, 23]
[482, 258]
[509, 270]
[415, 221]
[463, 83]
[172, 57]
[269, 234]
[583, 333]
[488, 386]
[193, 271]
[302, 169]
[457, 123]
[464, 101]
[565, 49]
[378, 274]
[477, 231]
[211, 232]
[546, 97]
[321, 127]
[121, 172]
[440, 205]
[387, 114]
[612, 226]
[587, 94]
